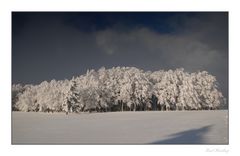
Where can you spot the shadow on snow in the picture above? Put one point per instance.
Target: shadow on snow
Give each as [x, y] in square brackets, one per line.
[193, 136]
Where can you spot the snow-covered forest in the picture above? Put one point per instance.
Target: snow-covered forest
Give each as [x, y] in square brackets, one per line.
[121, 89]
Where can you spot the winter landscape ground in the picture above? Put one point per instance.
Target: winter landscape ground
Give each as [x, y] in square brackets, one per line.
[155, 127]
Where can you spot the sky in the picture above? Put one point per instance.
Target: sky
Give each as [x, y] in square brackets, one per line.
[60, 45]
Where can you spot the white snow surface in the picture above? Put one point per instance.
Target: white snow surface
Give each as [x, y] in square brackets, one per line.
[155, 127]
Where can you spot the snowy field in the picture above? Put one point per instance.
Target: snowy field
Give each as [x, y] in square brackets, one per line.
[181, 127]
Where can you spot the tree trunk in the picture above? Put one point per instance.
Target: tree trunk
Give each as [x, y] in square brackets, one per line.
[122, 105]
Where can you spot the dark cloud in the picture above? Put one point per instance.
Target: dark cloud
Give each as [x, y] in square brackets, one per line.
[60, 45]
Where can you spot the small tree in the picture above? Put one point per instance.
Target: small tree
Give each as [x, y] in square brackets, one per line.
[71, 102]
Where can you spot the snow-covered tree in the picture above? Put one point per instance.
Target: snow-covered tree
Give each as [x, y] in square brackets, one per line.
[17, 90]
[71, 100]
[27, 101]
[122, 89]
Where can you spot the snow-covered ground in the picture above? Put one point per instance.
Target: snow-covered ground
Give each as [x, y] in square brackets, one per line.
[175, 127]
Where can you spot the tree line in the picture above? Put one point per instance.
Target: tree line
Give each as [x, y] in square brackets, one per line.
[121, 89]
